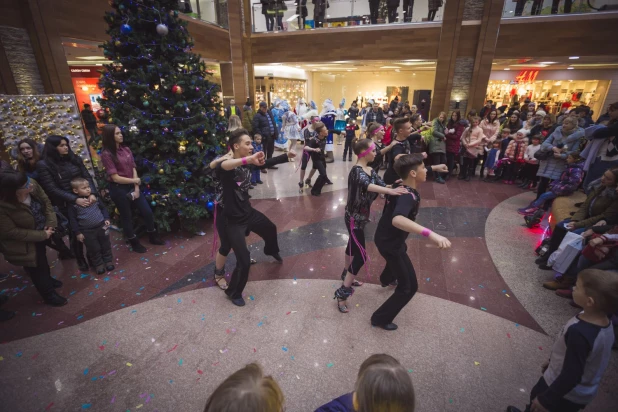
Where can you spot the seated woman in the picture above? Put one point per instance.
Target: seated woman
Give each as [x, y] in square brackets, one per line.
[601, 204]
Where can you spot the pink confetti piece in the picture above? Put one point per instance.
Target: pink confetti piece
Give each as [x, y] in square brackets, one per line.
[173, 349]
[112, 372]
[540, 348]
[35, 356]
[102, 347]
[48, 407]
[508, 335]
[113, 399]
[200, 372]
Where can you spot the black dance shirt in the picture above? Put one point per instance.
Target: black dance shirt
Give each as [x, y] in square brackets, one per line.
[390, 176]
[359, 198]
[318, 144]
[388, 237]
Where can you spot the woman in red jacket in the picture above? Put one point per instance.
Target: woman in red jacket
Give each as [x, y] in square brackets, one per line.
[454, 130]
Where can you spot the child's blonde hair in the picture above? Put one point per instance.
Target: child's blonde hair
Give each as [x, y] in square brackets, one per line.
[78, 182]
[383, 385]
[247, 390]
[602, 286]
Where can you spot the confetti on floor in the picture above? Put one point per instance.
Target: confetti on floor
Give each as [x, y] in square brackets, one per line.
[330, 365]
[476, 363]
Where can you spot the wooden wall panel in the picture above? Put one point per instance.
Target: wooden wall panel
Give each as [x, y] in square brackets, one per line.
[359, 43]
[468, 39]
[577, 36]
[10, 13]
[211, 42]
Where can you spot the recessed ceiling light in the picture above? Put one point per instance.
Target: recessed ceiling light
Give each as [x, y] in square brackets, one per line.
[414, 60]
[506, 68]
[389, 67]
[413, 74]
[397, 70]
[574, 57]
[548, 62]
[349, 70]
[297, 66]
[90, 58]
[313, 70]
[570, 68]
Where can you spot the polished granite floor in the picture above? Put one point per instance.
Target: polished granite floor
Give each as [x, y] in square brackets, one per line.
[473, 338]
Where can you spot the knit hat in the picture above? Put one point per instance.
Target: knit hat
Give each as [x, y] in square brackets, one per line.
[541, 112]
[525, 132]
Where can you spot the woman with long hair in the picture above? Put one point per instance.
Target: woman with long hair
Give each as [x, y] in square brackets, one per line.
[513, 123]
[437, 145]
[491, 128]
[234, 123]
[27, 221]
[454, 129]
[58, 167]
[27, 157]
[124, 186]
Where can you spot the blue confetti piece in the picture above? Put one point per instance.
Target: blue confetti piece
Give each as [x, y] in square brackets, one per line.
[330, 365]
[179, 300]
[84, 276]
[251, 297]
[292, 357]
[91, 293]
[133, 311]
[171, 381]
[18, 354]
[122, 305]
[260, 324]
[94, 378]
[504, 291]
[462, 330]
[86, 406]
[283, 348]
[482, 308]
[481, 286]
[517, 325]
[180, 362]
[96, 286]
[142, 288]
[79, 317]
[86, 371]
[106, 279]
[428, 279]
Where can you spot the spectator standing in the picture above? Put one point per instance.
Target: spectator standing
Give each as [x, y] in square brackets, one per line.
[264, 124]
[454, 129]
[437, 145]
[232, 109]
[247, 116]
[90, 121]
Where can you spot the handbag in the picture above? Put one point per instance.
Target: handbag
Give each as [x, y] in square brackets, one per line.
[567, 252]
[543, 154]
[599, 253]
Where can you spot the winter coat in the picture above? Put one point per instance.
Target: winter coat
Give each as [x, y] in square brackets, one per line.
[434, 4]
[17, 233]
[543, 131]
[601, 204]
[472, 140]
[228, 112]
[569, 180]
[513, 127]
[490, 130]
[247, 118]
[57, 185]
[343, 403]
[453, 140]
[438, 143]
[553, 167]
[353, 112]
[260, 124]
[89, 120]
[517, 153]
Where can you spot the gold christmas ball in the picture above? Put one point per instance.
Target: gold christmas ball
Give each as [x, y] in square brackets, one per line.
[117, 42]
[161, 171]
[182, 149]
[86, 160]
[116, 211]
[110, 119]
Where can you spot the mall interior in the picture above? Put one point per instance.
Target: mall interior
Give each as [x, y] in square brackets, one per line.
[157, 333]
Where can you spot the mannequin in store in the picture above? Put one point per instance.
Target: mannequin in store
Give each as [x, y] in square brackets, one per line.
[281, 106]
[340, 122]
[374, 8]
[433, 6]
[408, 8]
[301, 11]
[319, 13]
[327, 116]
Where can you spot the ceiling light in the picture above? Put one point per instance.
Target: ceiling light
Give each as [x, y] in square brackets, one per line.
[574, 57]
[594, 64]
[413, 60]
[341, 61]
[91, 58]
[548, 62]
[313, 70]
[494, 63]
[397, 70]
[349, 70]
[506, 68]
[528, 65]
[570, 68]
[413, 74]
[297, 66]
[389, 67]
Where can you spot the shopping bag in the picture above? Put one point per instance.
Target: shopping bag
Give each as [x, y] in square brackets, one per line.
[569, 250]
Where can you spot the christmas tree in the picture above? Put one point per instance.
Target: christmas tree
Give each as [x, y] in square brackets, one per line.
[158, 93]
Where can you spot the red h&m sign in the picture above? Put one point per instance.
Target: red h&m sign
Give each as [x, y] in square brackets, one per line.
[527, 76]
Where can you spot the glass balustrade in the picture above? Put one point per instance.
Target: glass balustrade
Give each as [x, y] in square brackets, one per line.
[523, 8]
[279, 15]
[211, 11]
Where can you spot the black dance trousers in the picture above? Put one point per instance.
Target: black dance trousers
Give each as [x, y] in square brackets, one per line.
[321, 180]
[41, 273]
[562, 405]
[398, 267]
[221, 226]
[269, 146]
[438, 159]
[258, 223]
[353, 250]
[451, 161]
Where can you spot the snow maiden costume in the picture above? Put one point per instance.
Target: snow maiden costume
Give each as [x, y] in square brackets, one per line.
[291, 128]
[281, 106]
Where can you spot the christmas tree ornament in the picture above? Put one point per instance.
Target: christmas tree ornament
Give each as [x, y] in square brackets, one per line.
[187, 110]
[182, 149]
[176, 89]
[146, 103]
[162, 29]
[133, 129]
[210, 206]
[161, 171]
[153, 203]
[126, 29]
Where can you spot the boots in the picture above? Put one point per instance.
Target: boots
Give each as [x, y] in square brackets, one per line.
[78, 250]
[562, 282]
[154, 238]
[136, 246]
[54, 299]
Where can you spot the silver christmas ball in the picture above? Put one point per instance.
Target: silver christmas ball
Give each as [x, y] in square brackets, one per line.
[162, 29]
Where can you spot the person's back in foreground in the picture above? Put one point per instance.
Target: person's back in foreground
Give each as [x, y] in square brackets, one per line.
[581, 353]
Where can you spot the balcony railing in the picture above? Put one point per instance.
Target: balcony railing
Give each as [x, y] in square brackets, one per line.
[523, 8]
[211, 11]
[279, 15]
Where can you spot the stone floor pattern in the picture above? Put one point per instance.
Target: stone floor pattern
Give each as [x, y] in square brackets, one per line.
[155, 335]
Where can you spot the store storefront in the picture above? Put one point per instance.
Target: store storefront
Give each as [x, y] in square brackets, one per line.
[271, 89]
[554, 88]
[85, 83]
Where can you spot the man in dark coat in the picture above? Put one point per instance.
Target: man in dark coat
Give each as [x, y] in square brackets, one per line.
[89, 120]
[232, 109]
[264, 124]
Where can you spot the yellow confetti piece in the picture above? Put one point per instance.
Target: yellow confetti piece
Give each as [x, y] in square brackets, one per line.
[476, 363]
[507, 295]
[1, 358]
[129, 364]
[139, 406]
[357, 305]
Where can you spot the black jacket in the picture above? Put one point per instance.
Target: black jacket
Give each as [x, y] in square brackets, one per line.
[260, 124]
[57, 186]
[228, 112]
[89, 119]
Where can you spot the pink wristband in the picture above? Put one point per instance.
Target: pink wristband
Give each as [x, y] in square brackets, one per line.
[244, 161]
[426, 232]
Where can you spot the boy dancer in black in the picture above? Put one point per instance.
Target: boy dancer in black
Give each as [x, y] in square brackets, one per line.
[241, 217]
[316, 147]
[396, 223]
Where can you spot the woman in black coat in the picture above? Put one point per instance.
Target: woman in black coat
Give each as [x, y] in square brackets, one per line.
[58, 167]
